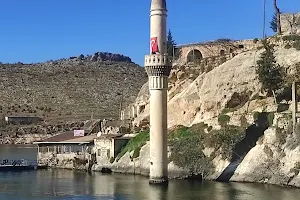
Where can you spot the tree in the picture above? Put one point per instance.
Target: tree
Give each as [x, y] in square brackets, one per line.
[273, 23]
[170, 43]
[277, 12]
[270, 73]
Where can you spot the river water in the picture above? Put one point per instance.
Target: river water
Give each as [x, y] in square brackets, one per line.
[71, 185]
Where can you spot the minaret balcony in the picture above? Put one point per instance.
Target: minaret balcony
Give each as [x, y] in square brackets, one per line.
[158, 65]
[158, 60]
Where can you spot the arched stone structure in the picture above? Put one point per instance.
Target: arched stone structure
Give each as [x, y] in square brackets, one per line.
[194, 56]
[222, 52]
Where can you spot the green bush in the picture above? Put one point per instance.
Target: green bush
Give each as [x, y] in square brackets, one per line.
[281, 135]
[198, 128]
[256, 115]
[137, 142]
[291, 38]
[136, 152]
[255, 40]
[224, 140]
[179, 132]
[296, 45]
[223, 120]
[187, 153]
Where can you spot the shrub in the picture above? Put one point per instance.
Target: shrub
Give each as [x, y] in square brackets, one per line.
[296, 45]
[198, 128]
[256, 115]
[179, 132]
[255, 40]
[291, 38]
[296, 169]
[280, 135]
[136, 152]
[223, 120]
[187, 153]
[224, 140]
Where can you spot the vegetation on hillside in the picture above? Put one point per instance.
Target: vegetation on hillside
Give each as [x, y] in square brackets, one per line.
[273, 23]
[171, 46]
[188, 143]
[293, 41]
[270, 74]
[68, 90]
[135, 145]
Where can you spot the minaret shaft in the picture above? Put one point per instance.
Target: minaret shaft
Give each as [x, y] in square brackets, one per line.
[158, 66]
[158, 29]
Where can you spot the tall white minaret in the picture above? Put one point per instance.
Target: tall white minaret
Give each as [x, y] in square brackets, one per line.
[158, 66]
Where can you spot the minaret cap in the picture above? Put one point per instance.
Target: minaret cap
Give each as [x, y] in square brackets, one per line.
[158, 5]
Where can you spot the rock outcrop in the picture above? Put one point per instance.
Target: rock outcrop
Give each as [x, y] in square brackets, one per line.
[232, 89]
[230, 85]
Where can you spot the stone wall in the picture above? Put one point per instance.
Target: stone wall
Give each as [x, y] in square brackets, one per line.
[290, 23]
[51, 156]
[107, 149]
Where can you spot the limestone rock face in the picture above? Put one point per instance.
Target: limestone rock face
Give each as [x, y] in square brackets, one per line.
[231, 84]
[269, 162]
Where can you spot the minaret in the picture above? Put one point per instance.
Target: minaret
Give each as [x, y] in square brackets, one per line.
[158, 66]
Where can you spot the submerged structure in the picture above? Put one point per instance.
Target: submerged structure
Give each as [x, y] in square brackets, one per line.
[158, 66]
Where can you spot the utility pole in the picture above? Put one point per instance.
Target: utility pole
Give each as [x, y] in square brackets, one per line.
[264, 22]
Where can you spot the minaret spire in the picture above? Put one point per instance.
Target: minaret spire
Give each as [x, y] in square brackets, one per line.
[158, 66]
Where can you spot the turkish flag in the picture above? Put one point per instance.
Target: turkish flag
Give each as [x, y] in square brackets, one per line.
[154, 45]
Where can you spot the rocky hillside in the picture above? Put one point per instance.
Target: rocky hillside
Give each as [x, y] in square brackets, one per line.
[68, 89]
[232, 85]
[223, 126]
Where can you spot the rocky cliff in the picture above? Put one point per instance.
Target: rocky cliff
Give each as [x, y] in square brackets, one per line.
[242, 134]
[231, 85]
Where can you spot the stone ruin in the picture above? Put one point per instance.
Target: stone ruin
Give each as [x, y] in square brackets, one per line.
[290, 23]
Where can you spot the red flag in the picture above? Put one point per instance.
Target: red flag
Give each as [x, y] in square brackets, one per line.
[154, 45]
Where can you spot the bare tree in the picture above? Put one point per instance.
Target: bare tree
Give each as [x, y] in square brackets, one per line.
[277, 11]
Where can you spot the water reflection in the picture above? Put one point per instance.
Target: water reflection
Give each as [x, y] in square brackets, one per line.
[71, 185]
[66, 184]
